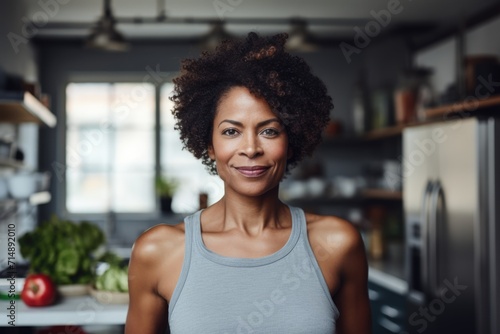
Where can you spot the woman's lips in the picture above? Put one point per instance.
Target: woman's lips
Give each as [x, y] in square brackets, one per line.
[252, 171]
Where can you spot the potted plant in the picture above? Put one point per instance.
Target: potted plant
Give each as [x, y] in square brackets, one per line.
[165, 189]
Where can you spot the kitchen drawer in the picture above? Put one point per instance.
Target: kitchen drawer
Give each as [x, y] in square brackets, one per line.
[388, 310]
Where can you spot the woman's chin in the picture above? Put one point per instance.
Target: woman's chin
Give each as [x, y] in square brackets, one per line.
[253, 190]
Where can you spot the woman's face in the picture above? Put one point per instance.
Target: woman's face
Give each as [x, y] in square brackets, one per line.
[249, 143]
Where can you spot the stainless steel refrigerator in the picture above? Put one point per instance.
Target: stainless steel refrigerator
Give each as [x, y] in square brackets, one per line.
[451, 194]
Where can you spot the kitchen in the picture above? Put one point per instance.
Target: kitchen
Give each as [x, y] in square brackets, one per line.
[405, 78]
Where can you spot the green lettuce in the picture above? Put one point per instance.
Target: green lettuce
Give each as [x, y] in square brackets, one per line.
[62, 249]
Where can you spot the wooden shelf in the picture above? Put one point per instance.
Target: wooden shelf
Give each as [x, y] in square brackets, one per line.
[11, 163]
[382, 194]
[22, 107]
[313, 203]
[363, 196]
[382, 133]
[397, 130]
[463, 106]
[373, 135]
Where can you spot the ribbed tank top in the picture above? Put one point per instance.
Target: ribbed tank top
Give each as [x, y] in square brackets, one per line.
[284, 292]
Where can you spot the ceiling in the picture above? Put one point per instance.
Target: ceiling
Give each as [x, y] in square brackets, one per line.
[326, 18]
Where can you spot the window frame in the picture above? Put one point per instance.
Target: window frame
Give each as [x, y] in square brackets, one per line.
[112, 78]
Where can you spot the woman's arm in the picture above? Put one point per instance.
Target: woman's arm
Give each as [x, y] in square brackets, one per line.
[352, 297]
[148, 311]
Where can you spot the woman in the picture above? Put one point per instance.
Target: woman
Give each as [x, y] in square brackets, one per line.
[250, 263]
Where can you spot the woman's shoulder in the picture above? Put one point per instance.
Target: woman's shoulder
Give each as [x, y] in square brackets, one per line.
[330, 225]
[158, 241]
[333, 233]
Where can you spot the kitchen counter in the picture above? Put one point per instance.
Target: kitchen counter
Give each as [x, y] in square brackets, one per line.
[389, 274]
[82, 310]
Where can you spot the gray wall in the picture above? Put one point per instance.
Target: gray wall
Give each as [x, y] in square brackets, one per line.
[19, 59]
[480, 40]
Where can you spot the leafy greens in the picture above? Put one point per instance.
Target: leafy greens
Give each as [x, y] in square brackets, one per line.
[62, 249]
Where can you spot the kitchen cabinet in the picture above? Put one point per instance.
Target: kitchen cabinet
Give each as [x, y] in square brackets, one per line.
[388, 309]
[387, 290]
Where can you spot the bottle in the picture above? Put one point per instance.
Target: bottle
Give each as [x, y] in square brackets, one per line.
[361, 107]
[376, 217]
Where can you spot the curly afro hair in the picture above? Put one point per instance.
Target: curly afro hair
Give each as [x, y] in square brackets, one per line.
[261, 64]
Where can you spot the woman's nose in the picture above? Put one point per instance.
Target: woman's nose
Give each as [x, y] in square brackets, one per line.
[251, 146]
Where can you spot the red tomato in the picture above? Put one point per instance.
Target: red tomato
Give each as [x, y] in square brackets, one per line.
[38, 290]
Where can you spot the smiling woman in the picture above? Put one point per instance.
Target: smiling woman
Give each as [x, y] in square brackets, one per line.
[250, 263]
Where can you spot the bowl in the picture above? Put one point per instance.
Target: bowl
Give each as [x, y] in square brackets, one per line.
[109, 297]
[22, 185]
[73, 290]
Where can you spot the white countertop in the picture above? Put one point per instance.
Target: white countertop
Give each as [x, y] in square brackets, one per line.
[83, 310]
[388, 281]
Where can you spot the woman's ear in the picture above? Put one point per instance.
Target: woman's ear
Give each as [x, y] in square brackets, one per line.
[211, 152]
[289, 153]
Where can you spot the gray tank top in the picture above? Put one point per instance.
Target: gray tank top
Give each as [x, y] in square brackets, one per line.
[284, 292]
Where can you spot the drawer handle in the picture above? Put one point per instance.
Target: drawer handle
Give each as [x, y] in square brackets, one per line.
[373, 295]
[389, 311]
[389, 325]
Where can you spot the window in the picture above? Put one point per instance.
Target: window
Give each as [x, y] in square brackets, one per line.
[111, 145]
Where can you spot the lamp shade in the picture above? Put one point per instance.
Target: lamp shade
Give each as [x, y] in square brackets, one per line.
[104, 35]
[299, 38]
[213, 38]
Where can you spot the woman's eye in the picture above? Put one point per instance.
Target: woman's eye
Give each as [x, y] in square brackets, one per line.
[270, 132]
[230, 132]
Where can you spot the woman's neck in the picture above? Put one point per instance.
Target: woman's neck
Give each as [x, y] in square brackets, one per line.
[252, 214]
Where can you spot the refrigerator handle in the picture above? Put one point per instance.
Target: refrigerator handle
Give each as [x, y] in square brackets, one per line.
[424, 221]
[437, 197]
